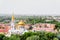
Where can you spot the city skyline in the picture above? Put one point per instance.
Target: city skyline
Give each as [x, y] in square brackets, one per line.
[30, 7]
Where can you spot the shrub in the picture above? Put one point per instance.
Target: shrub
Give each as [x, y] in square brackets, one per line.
[5, 38]
[1, 36]
[50, 35]
[33, 38]
[55, 39]
[27, 34]
[42, 35]
[14, 37]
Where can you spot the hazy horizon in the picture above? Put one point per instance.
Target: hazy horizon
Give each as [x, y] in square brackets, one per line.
[30, 7]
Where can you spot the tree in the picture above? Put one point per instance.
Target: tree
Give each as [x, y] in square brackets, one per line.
[5, 38]
[51, 35]
[55, 39]
[1, 36]
[14, 37]
[27, 34]
[33, 38]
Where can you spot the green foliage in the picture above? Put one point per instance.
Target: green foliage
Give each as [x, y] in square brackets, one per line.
[55, 39]
[51, 35]
[27, 34]
[5, 38]
[33, 38]
[58, 25]
[42, 35]
[14, 37]
[1, 36]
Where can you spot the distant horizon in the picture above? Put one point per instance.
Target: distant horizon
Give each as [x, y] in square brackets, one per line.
[26, 15]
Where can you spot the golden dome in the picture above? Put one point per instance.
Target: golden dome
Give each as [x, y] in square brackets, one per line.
[21, 23]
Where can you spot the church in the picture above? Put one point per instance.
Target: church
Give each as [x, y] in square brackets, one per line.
[17, 28]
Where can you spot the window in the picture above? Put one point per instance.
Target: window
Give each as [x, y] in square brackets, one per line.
[0, 27]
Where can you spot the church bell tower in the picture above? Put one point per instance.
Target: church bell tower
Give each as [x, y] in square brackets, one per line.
[12, 22]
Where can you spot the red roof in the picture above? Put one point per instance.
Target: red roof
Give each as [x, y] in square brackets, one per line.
[6, 28]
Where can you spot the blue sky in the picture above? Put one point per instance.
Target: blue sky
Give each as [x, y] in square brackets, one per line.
[30, 7]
